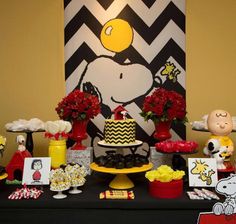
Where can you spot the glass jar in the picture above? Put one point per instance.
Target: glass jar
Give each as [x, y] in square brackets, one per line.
[57, 152]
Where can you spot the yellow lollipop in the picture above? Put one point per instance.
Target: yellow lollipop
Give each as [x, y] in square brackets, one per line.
[116, 35]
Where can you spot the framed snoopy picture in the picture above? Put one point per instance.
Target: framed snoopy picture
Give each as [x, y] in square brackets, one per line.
[118, 51]
[202, 172]
[36, 171]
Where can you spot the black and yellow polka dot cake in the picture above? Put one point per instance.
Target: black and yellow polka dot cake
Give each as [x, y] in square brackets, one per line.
[120, 132]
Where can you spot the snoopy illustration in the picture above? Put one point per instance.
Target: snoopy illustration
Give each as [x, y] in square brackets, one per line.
[226, 187]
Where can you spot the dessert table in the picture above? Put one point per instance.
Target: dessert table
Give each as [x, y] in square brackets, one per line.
[88, 208]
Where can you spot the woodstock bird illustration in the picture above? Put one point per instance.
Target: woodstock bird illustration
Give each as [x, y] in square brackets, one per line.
[200, 169]
[170, 71]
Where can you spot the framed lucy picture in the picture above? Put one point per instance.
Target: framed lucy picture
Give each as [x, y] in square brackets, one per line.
[36, 171]
[202, 172]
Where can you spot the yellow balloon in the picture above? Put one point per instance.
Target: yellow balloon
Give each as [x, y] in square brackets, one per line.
[116, 35]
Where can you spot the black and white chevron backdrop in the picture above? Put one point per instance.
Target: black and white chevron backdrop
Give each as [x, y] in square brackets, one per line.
[158, 41]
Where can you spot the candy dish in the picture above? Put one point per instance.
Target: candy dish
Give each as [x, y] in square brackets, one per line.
[75, 189]
[76, 174]
[60, 182]
[176, 146]
[59, 194]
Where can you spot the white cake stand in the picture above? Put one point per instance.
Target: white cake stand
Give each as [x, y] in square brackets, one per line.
[135, 144]
[75, 189]
[120, 147]
[59, 194]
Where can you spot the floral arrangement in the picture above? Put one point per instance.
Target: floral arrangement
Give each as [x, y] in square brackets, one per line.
[78, 106]
[164, 105]
[176, 146]
[164, 173]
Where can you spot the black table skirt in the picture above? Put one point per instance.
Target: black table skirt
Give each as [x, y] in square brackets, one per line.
[88, 208]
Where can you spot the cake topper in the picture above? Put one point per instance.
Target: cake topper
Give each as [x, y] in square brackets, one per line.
[120, 113]
[219, 145]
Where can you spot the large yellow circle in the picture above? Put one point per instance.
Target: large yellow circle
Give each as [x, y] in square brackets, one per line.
[116, 35]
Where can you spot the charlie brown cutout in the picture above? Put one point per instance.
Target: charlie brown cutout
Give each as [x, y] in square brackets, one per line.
[219, 145]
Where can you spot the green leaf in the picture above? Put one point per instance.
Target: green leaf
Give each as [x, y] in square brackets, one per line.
[83, 116]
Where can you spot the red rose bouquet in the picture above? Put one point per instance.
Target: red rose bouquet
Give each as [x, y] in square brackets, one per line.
[164, 105]
[78, 106]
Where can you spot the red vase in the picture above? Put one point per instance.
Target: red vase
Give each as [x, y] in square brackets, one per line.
[162, 130]
[79, 133]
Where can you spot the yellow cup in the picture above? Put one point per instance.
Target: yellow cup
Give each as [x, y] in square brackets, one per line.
[57, 152]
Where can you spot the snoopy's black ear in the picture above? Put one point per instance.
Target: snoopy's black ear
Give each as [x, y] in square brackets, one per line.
[88, 87]
[157, 81]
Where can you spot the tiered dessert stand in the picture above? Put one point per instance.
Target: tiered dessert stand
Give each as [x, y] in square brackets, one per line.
[121, 180]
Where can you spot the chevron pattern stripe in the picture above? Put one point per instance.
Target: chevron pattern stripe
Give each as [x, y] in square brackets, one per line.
[119, 131]
[158, 37]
